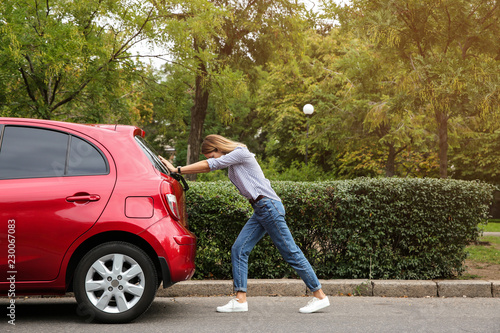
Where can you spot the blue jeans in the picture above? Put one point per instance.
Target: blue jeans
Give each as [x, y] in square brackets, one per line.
[269, 217]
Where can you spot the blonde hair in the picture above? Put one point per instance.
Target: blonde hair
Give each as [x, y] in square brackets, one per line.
[214, 142]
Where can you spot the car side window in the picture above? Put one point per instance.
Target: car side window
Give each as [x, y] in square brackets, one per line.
[30, 152]
[85, 159]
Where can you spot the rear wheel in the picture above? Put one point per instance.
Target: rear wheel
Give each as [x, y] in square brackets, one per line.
[115, 282]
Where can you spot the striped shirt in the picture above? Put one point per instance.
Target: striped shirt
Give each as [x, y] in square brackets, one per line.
[245, 173]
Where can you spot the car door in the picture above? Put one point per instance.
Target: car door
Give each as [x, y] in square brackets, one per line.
[54, 185]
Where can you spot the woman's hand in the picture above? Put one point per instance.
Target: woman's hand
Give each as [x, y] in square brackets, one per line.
[167, 163]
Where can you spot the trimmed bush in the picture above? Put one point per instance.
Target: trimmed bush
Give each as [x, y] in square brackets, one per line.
[388, 228]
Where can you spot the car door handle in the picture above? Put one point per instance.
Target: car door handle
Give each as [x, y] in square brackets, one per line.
[86, 197]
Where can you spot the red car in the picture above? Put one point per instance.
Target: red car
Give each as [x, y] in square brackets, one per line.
[89, 209]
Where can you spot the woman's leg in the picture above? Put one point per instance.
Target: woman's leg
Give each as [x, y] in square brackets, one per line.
[273, 220]
[271, 215]
[249, 236]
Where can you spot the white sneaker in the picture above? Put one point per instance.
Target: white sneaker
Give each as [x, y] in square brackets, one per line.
[233, 306]
[315, 304]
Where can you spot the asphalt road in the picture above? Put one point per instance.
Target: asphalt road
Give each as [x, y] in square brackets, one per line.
[270, 314]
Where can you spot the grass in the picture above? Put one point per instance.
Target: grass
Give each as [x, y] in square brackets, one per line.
[487, 251]
[492, 226]
[467, 276]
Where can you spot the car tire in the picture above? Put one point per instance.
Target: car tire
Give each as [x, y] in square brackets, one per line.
[115, 282]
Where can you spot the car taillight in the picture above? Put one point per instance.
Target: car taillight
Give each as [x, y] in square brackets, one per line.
[172, 206]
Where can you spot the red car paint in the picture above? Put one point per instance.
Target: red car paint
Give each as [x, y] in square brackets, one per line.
[53, 221]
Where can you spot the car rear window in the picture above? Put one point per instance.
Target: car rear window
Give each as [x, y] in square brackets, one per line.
[31, 152]
[151, 154]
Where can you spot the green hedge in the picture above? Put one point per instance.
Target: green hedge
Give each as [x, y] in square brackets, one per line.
[387, 228]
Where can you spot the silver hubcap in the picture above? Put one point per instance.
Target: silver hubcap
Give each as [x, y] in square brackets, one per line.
[114, 283]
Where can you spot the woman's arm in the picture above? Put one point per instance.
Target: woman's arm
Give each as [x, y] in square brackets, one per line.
[198, 167]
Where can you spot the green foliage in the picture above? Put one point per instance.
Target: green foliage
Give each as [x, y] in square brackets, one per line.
[393, 83]
[222, 44]
[216, 212]
[297, 171]
[310, 76]
[70, 59]
[169, 124]
[445, 59]
[273, 170]
[477, 157]
[388, 228]
[361, 125]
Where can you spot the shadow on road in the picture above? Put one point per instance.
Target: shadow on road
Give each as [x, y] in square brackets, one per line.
[47, 309]
[65, 310]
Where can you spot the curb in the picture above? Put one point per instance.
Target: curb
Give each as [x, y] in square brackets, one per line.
[377, 288]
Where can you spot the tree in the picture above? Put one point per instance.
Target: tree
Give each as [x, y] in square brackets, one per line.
[307, 75]
[354, 88]
[221, 42]
[374, 97]
[57, 52]
[450, 49]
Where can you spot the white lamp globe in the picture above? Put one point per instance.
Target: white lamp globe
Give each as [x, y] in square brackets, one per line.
[308, 109]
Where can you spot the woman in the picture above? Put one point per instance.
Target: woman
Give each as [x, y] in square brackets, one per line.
[268, 217]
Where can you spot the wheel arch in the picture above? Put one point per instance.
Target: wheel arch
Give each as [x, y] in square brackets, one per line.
[111, 236]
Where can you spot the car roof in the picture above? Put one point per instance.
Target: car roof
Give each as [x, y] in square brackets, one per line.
[85, 128]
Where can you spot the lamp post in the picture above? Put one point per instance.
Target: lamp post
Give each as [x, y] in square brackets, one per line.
[308, 110]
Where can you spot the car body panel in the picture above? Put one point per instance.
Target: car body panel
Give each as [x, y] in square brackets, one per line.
[50, 231]
[46, 223]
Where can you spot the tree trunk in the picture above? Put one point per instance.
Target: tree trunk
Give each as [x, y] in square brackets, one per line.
[198, 115]
[390, 165]
[442, 122]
